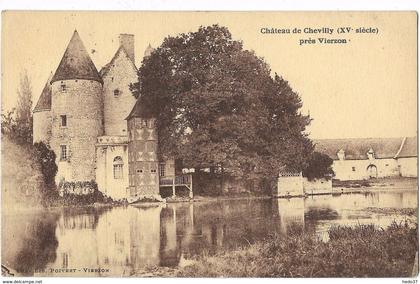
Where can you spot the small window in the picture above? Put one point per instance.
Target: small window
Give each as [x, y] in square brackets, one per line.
[386, 165]
[353, 169]
[144, 122]
[139, 171]
[161, 170]
[118, 167]
[63, 120]
[63, 87]
[63, 154]
[153, 170]
[117, 93]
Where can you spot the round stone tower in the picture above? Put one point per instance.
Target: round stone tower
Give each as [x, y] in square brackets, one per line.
[42, 115]
[76, 113]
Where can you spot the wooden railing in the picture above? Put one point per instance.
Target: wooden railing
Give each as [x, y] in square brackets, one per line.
[178, 180]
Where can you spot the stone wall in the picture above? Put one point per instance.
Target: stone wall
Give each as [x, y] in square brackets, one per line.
[106, 153]
[42, 126]
[408, 166]
[294, 184]
[357, 169]
[317, 186]
[120, 75]
[289, 184]
[82, 103]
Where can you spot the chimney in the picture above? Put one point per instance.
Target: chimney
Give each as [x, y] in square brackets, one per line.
[127, 42]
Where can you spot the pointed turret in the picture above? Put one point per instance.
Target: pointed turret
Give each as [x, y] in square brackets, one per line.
[148, 51]
[76, 63]
[44, 101]
[76, 113]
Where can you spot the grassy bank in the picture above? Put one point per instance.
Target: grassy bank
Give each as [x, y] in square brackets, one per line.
[388, 182]
[363, 251]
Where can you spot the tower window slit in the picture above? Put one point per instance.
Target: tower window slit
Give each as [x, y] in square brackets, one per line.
[63, 120]
[63, 154]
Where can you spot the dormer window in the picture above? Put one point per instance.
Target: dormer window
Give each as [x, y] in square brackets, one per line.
[63, 87]
[117, 93]
[341, 155]
[371, 154]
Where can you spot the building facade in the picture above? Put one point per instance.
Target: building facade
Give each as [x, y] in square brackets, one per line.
[364, 158]
[83, 115]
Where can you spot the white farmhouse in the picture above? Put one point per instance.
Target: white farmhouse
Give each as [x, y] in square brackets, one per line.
[364, 158]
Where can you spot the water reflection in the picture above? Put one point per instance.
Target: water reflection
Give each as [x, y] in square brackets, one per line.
[291, 212]
[124, 240]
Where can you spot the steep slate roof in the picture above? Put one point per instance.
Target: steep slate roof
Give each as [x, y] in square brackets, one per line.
[76, 63]
[107, 67]
[409, 148]
[356, 148]
[44, 101]
[139, 110]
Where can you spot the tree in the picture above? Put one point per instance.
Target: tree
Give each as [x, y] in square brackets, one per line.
[17, 123]
[24, 109]
[8, 122]
[319, 166]
[46, 159]
[217, 106]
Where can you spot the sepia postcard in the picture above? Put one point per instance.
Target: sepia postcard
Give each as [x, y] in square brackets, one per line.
[209, 144]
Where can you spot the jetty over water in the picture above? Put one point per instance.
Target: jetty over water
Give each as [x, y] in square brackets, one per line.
[183, 180]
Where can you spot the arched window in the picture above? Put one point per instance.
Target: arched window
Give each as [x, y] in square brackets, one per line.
[118, 167]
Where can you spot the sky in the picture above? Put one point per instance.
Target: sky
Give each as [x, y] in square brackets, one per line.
[365, 88]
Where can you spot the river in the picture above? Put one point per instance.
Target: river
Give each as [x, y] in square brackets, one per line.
[123, 240]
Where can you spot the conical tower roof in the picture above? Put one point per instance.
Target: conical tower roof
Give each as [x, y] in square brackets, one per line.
[76, 63]
[44, 101]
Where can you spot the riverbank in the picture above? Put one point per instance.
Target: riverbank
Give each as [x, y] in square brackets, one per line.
[362, 251]
[389, 182]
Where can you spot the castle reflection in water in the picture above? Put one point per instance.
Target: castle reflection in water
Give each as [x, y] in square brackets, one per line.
[126, 240]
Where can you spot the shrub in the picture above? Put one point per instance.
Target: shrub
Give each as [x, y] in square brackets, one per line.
[80, 193]
[319, 166]
[362, 251]
[46, 158]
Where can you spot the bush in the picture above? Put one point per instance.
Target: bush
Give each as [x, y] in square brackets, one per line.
[319, 166]
[362, 251]
[46, 158]
[80, 193]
